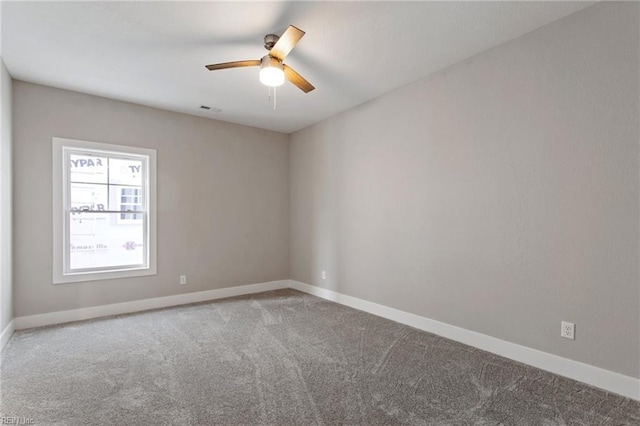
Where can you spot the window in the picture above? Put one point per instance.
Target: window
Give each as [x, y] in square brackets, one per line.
[104, 211]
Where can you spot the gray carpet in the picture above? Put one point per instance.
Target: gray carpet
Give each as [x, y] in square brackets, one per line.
[279, 358]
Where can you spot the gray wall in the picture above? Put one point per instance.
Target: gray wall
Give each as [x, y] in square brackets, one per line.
[222, 198]
[6, 288]
[499, 195]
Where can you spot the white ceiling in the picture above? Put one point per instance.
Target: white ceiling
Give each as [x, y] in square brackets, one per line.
[154, 53]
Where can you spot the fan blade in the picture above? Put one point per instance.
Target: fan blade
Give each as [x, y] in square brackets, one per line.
[236, 64]
[297, 79]
[286, 42]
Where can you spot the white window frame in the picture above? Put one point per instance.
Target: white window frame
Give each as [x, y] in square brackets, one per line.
[60, 216]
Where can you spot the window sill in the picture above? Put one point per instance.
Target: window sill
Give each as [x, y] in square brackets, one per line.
[100, 276]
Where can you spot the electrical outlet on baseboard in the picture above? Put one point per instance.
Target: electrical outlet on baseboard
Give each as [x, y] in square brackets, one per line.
[568, 330]
[324, 275]
[183, 279]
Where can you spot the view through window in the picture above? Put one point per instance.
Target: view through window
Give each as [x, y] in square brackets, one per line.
[104, 188]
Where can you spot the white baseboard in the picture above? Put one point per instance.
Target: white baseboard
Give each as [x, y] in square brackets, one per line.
[6, 334]
[594, 376]
[59, 317]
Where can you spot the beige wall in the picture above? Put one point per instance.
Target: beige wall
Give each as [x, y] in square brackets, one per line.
[6, 288]
[222, 198]
[500, 195]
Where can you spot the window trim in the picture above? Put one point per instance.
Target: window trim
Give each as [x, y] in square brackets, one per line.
[60, 219]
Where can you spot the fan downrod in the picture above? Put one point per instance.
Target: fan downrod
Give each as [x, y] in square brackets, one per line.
[270, 40]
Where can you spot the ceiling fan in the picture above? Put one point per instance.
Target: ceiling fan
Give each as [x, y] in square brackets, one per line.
[272, 70]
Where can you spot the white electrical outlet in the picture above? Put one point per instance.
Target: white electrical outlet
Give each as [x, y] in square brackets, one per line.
[568, 330]
[183, 279]
[324, 275]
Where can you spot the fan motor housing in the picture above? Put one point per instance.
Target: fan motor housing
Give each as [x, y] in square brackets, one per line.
[270, 40]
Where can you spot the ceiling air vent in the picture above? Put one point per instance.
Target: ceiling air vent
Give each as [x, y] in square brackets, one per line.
[208, 108]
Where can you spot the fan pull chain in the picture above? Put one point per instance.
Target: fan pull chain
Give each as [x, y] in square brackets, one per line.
[274, 96]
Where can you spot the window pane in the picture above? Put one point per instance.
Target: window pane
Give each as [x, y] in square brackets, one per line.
[88, 196]
[97, 240]
[88, 168]
[125, 172]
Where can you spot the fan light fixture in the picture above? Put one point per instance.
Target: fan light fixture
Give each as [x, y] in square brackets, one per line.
[271, 71]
